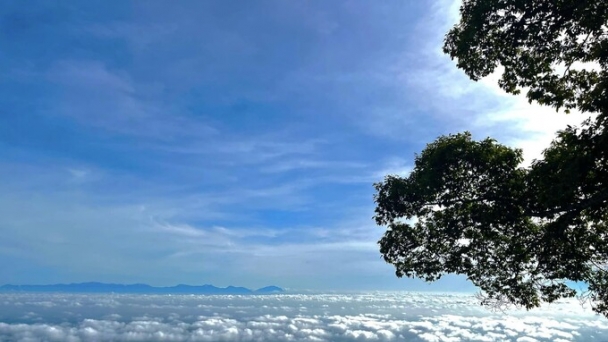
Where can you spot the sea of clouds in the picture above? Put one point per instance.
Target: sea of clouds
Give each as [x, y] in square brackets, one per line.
[400, 316]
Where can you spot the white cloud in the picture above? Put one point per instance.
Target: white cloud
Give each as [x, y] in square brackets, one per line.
[355, 317]
[78, 173]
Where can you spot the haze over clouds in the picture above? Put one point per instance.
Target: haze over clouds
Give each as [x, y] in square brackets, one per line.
[300, 317]
[203, 142]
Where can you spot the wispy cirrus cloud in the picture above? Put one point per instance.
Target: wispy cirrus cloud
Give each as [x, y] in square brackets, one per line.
[89, 92]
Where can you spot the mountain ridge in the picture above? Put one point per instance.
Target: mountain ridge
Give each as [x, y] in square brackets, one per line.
[98, 287]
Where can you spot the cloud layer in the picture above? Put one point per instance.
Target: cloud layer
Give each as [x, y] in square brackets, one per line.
[404, 316]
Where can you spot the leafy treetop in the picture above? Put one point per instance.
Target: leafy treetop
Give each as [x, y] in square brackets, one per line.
[541, 45]
[522, 234]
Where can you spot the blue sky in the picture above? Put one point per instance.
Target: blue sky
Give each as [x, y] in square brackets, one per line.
[225, 142]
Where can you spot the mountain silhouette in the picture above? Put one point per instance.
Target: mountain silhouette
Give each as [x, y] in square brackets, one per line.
[96, 287]
[269, 289]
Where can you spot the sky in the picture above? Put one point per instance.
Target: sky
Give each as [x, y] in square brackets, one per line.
[231, 143]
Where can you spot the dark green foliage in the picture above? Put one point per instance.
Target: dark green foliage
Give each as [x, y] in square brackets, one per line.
[537, 42]
[522, 234]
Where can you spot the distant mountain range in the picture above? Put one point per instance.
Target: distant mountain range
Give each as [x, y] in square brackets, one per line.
[95, 287]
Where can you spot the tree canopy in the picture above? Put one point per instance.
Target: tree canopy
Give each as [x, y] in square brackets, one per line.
[523, 235]
[541, 45]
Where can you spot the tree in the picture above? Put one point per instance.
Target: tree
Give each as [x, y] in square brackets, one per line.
[541, 45]
[523, 235]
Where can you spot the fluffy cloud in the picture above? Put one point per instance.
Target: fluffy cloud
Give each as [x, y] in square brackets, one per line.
[298, 317]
